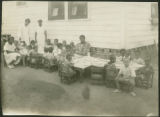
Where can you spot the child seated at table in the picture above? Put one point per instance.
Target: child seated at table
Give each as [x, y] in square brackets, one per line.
[73, 48]
[67, 68]
[48, 59]
[145, 72]
[126, 75]
[110, 68]
[127, 55]
[64, 44]
[121, 54]
[57, 49]
[23, 51]
[32, 50]
[138, 59]
[48, 44]
[69, 50]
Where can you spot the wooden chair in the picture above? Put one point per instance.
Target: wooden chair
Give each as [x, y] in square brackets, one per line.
[65, 77]
[145, 82]
[97, 75]
[48, 66]
[36, 60]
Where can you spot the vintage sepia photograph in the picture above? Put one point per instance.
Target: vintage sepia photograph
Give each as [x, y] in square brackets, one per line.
[79, 58]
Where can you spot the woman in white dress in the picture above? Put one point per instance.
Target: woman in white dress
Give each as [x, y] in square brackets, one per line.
[24, 33]
[12, 57]
[40, 36]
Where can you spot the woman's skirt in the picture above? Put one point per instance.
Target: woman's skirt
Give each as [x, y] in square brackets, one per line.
[12, 57]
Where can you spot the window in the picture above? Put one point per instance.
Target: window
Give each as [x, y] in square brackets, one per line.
[154, 14]
[56, 11]
[77, 10]
[21, 3]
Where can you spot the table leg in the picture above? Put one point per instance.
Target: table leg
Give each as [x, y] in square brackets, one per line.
[81, 78]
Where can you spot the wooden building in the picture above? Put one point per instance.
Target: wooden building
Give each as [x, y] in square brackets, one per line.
[112, 25]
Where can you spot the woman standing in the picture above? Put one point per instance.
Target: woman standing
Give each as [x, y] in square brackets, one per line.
[40, 36]
[24, 33]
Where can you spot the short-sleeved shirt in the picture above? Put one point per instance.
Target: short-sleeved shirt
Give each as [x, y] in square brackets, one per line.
[24, 33]
[9, 47]
[56, 51]
[82, 49]
[127, 71]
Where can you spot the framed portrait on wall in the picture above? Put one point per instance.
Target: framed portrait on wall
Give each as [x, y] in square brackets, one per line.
[77, 10]
[56, 11]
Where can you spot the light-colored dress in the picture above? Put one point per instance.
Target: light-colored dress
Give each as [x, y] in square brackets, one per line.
[82, 49]
[40, 39]
[24, 34]
[9, 57]
[56, 51]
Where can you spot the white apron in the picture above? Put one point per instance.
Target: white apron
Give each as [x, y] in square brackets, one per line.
[9, 57]
[40, 39]
[25, 34]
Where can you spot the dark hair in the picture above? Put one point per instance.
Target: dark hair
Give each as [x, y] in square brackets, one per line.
[48, 40]
[68, 55]
[27, 19]
[68, 46]
[40, 20]
[59, 45]
[23, 42]
[112, 57]
[82, 37]
[46, 49]
[50, 49]
[122, 50]
[32, 42]
[56, 39]
[10, 38]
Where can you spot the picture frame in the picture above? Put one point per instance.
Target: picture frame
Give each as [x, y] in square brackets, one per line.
[77, 10]
[56, 11]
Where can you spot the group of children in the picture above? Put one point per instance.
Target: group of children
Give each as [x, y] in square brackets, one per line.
[53, 54]
[60, 54]
[127, 74]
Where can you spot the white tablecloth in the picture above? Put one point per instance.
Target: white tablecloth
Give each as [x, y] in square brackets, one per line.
[86, 61]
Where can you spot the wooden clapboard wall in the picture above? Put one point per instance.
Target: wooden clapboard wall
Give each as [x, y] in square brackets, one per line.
[109, 25]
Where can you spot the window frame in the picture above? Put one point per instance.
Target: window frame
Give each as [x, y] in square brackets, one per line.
[75, 20]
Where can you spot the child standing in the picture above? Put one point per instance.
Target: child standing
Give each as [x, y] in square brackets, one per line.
[23, 51]
[48, 59]
[48, 44]
[110, 71]
[126, 75]
[32, 50]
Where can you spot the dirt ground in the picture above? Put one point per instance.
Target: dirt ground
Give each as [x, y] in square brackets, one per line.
[33, 91]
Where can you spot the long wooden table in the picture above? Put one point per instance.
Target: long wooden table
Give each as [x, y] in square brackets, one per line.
[80, 63]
